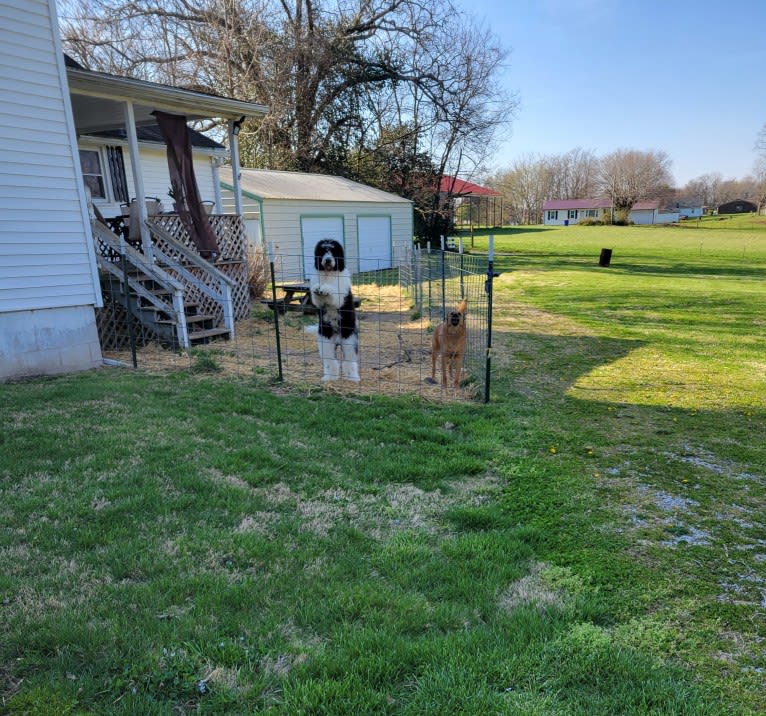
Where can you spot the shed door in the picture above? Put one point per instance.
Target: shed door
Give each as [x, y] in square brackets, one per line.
[374, 242]
[314, 229]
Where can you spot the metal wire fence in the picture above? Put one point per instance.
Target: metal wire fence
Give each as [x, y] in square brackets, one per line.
[399, 306]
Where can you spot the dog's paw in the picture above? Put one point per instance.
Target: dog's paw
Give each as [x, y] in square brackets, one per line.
[319, 291]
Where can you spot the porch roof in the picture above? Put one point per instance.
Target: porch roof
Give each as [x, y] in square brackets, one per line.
[98, 97]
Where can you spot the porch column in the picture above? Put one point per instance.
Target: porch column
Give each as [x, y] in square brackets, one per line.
[234, 126]
[138, 179]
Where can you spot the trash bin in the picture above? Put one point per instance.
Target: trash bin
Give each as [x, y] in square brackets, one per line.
[605, 258]
[566, 222]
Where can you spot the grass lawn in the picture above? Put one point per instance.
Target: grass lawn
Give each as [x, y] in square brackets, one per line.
[593, 541]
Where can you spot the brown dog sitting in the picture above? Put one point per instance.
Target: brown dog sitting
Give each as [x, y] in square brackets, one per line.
[449, 342]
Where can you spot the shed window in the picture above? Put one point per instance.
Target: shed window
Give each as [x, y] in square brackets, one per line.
[573, 213]
[553, 215]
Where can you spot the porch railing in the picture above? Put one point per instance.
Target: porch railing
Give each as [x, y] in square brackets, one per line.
[205, 284]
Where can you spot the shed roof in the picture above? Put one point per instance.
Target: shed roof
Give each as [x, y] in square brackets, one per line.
[300, 186]
[461, 187]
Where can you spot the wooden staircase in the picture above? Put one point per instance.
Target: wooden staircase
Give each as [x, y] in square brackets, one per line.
[163, 292]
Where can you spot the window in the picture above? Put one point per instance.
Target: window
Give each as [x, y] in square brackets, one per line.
[109, 184]
[572, 213]
[591, 213]
[553, 215]
[92, 173]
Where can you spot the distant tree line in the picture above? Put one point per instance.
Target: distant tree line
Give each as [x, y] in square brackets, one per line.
[624, 176]
[394, 93]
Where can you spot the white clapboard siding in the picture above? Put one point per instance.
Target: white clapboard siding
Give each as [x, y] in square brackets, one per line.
[46, 255]
[154, 167]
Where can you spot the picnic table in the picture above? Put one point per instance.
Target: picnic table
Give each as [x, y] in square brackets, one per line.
[297, 297]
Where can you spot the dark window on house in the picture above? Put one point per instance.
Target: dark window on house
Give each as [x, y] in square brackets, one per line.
[573, 213]
[553, 215]
[92, 173]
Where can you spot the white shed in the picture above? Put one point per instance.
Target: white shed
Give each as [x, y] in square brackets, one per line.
[48, 277]
[291, 211]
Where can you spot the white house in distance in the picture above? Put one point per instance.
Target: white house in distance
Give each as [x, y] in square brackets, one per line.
[49, 268]
[566, 212]
[290, 211]
[563, 212]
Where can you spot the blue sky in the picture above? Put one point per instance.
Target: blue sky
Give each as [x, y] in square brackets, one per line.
[682, 76]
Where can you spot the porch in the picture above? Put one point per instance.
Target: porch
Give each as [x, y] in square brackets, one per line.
[170, 294]
[179, 278]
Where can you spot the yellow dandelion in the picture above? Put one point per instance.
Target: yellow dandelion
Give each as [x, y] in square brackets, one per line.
[552, 450]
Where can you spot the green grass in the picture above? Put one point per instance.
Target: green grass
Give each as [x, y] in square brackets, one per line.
[590, 542]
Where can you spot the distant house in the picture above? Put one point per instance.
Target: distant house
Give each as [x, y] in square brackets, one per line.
[649, 212]
[565, 212]
[738, 206]
[690, 211]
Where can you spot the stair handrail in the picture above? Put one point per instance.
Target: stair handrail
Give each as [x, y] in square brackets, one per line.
[139, 261]
[225, 284]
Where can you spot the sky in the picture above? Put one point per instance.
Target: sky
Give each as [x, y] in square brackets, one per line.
[687, 77]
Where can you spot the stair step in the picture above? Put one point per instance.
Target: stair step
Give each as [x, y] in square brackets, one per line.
[189, 319]
[204, 335]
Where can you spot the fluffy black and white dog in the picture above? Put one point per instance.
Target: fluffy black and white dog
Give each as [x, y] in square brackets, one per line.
[331, 294]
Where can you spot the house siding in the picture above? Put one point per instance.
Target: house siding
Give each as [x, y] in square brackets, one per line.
[42, 220]
[48, 279]
[154, 166]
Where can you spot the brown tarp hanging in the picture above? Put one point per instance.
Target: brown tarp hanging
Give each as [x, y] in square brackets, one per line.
[186, 197]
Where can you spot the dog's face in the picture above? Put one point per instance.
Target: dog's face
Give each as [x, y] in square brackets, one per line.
[328, 256]
[456, 318]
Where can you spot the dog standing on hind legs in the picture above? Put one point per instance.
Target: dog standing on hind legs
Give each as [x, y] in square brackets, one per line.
[332, 296]
[449, 342]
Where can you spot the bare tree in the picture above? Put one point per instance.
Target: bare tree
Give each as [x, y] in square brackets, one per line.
[628, 175]
[573, 175]
[324, 70]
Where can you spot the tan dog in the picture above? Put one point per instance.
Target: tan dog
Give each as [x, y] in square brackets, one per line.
[449, 342]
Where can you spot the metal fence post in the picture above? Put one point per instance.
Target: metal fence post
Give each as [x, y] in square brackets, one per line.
[488, 288]
[276, 314]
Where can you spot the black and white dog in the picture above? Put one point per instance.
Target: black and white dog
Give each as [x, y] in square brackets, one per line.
[331, 294]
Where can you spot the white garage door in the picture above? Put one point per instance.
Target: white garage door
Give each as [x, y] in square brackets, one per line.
[374, 242]
[314, 229]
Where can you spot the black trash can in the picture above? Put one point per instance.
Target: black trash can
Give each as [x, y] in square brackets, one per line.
[606, 257]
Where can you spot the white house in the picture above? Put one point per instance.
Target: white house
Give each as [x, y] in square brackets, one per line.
[48, 279]
[49, 271]
[649, 212]
[291, 211]
[564, 212]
